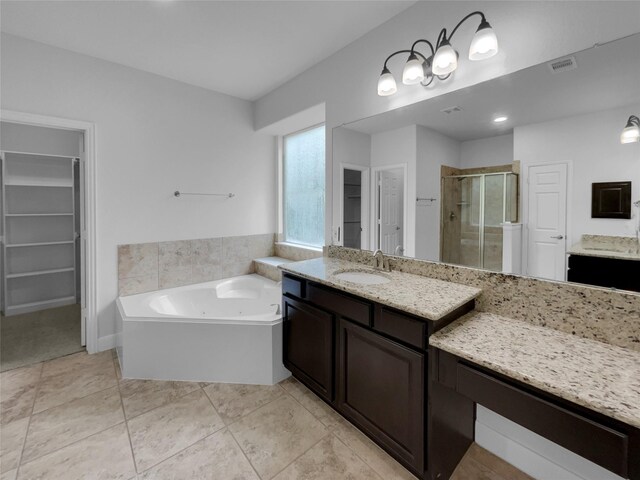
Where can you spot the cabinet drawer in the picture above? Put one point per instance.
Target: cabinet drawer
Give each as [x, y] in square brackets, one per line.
[402, 327]
[343, 305]
[293, 286]
[589, 439]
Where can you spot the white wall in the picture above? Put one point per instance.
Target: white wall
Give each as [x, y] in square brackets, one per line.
[153, 136]
[398, 147]
[486, 152]
[32, 139]
[529, 33]
[433, 150]
[352, 147]
[591, 143]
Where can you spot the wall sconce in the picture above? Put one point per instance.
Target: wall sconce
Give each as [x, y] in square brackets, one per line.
[443, 59]
[631, 132]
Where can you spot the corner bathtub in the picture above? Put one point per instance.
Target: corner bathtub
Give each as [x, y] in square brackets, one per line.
[222, 331]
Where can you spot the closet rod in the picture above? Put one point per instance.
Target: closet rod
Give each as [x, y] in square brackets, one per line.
[178, 193]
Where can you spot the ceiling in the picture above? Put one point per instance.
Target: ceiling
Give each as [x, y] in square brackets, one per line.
[241, 48]
[606, 77]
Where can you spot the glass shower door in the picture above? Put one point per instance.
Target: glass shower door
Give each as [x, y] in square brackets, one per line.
[494, 214]
[461, 220]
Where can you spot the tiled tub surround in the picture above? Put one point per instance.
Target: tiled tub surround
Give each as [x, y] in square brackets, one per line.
[404, 291]
[624, 248]
[602, 377]
[594, 313]
[295, 252]
[145, 267]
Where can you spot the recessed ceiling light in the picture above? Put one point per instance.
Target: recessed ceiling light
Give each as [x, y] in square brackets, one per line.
[500, 119]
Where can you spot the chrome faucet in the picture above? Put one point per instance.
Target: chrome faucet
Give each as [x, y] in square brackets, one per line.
[380, 262]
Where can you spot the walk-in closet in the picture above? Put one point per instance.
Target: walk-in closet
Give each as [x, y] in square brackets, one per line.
[41, 257]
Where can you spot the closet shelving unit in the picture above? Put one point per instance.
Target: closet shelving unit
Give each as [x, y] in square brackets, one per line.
[38, 250]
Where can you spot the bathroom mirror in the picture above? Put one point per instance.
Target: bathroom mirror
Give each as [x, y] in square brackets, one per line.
[500, 175]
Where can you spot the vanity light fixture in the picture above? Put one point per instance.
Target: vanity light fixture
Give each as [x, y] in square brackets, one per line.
[500, 119]
[631, 132]
[442, 61]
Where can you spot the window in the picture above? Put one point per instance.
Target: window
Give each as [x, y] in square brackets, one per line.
[303, 187]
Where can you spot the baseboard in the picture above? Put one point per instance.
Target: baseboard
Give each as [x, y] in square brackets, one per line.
[108, 342]
[531, 453]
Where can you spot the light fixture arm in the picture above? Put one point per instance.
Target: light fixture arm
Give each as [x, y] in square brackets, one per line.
[482, 20]
[404, 51]
[413, 47]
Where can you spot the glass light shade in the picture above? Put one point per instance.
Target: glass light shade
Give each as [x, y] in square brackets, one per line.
[445, 60]
[484, 44]
[386, 84]
[630, 134]
[413, 72]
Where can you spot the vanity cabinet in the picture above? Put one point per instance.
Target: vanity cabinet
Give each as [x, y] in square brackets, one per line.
[369, 362]
[604, 272]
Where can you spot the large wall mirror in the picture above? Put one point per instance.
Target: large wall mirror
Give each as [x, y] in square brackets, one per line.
[523, 174]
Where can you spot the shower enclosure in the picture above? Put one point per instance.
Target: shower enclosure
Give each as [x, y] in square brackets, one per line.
[474, 207]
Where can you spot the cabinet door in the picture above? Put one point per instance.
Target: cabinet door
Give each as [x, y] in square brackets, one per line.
[308, 345]
[381, 389]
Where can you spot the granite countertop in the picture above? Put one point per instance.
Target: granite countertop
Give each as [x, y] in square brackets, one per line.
[422, 296]
[578, 249]
[602, 377]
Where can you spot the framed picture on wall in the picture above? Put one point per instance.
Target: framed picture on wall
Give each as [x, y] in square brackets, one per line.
[611, 200]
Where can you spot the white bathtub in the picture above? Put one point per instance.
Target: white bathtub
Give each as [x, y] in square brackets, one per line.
[223, 331]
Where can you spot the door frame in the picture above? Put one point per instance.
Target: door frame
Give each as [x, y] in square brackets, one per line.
[525, 210]
[365, 205]
[89, 275]
[375, 171]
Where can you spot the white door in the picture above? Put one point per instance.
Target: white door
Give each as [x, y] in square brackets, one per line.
[391, 200]
[547, 221]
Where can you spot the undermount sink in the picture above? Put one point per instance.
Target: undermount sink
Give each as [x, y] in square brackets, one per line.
[362, 278]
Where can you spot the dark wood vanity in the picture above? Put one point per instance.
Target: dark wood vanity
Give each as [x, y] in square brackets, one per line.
[371, 363]
[604, 272]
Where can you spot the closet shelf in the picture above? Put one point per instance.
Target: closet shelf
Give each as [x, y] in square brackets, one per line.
[45, 155]
[38, 214]
[39, 244]
[40, 272]
[37, 184]
[43, 303]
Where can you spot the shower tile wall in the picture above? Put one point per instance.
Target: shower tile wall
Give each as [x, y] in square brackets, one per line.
[145, 267]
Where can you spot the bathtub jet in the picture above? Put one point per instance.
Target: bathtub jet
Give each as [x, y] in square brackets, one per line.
[227, 331]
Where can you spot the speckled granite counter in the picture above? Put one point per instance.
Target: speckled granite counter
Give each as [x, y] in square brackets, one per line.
[602, 377]
[421, 296]
[579, 249]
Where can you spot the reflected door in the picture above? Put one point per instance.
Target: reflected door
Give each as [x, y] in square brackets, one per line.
[390, 208]
[547, 221]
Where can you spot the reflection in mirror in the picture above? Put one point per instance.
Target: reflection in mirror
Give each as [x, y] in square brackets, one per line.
[527, 173]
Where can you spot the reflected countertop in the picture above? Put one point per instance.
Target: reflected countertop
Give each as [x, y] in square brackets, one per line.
[582, 248]
[422, 296]
[602, 377]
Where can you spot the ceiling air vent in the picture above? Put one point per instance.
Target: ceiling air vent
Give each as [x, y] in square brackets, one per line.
[451, 109]
[563, 65]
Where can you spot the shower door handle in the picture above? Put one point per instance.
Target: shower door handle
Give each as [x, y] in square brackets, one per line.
[559, 237]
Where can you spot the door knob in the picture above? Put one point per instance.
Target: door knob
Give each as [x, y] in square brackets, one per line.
[559, 237]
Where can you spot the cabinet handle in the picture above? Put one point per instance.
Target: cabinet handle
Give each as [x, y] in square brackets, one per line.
[559, 237]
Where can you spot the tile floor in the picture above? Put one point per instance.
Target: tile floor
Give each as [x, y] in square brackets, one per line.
[75, 418]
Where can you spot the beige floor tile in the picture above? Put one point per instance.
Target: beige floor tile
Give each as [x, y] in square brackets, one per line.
[78, 362]
[233, 401]
[330, 459]
[494, 463]
[61, 388]
[160, 433]
[217, 457]
[309, 400]
[73, 421]
[276, 434]
[104, 456]
[17, 392]
[139, 396]
[9, 475]
[368, 451]
[11, 441]
[469, 469]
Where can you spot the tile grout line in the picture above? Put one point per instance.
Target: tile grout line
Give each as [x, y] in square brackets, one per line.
[124, 413]
[26, 434]
[358, 456]
[328, 434]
